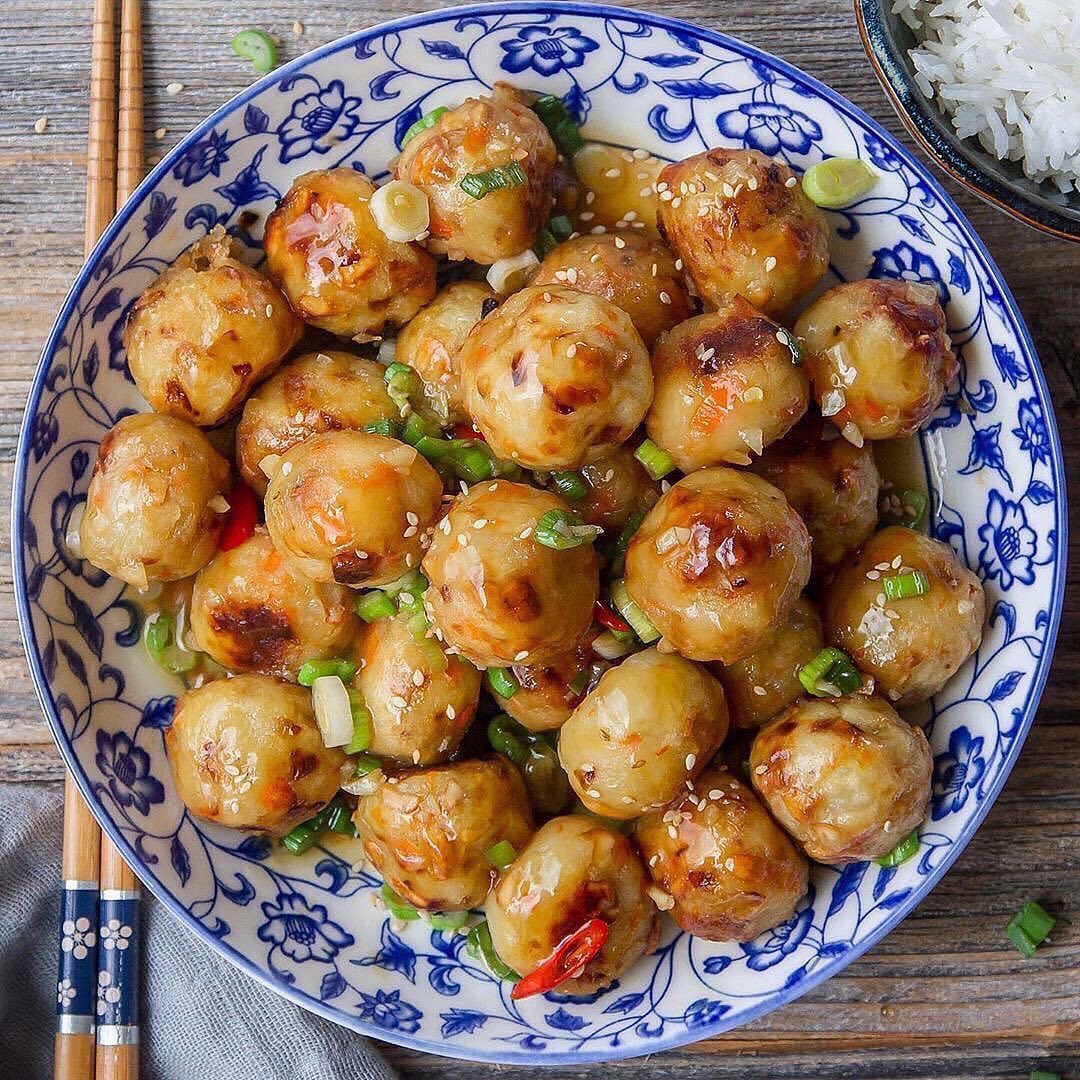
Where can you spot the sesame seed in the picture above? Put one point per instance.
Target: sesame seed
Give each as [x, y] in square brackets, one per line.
[691, 759]
[752, 183]
[174, 88]
[728, 190]
[676, 203]
[645, 192]
[620, 242]
[411, 518]
[729, 865]
[298, 28]
[571, 350]
[397, 701]
[637, 224]
[654, 269]
[630, 215]
[594, 257]
[463, 540]
[269, 310]
[673, 832]
[770, 263]
[416, 757]
[627, 799]
[587, 215]
[571, 275]
[897, 562]
[665, 298]
[593, 793]
[361, 554]
[715, 794]
[40, 124]
[418, 678]
[762, 769]
[791, 181]
[665, 195]
[613, 174]
[760, 691]
[521, 655]
[161, 132]
[590, 198]
[444, 526]
[678, 264]
[409, 533]
[886, 826]
[598, 230]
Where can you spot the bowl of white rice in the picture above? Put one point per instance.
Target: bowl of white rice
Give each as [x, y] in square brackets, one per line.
[991, 88]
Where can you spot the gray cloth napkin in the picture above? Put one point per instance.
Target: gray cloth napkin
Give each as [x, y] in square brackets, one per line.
[202, 1019]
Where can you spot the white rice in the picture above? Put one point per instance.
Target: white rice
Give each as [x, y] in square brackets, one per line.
[1008, 73]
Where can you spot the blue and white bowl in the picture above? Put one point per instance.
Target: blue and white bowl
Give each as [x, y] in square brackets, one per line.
[309, 927]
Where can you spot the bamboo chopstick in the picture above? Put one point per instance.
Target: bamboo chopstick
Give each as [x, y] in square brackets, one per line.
[73, 1053]
[118, 959]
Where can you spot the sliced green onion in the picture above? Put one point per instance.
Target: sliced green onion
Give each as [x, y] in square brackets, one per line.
[366, 764]
[304, 837]
[413, 582]
[479, 946]
[340, 819]
[390, 428]
[501, 176]
[501, 855]
[433, 447]
[400, 909]
[610, 647]
[838, 181]
[629, 610]
[374, 605]
[902, 852]
[830, 674]
[504, 735]
[544, 776]
[907, 508]
[563, 529]
[570, 485]
[425, 122]
[578, 683]
[658, 463]
[446, 920]
[158, 637]
[560, 125]
[558, 229]
[258, 47]
[617, 555]
[786, 337]
[470, 461]
[1042, 1074]
[158, 633]
[1030, 927]
[402, 383]
[434, 657]
[905, 586]
[417, 428]
[363, 726]
[502, 682]
[316, 669]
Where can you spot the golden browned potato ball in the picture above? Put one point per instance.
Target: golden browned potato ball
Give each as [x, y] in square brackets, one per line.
[574, 869]
[553, 372]
[544, 698]
[207, 330]
[731, 870]
[430, 342]
[879, 356]
[497, 595]
[421, 700]
[481, 134]
[718, 564]
[831, 484]
[846, 777]
[766, 681]
[156, 502]
[619, 487]
[635, 272]
[246, 752]
[651, 724]
[727, 385]
[616, 189]
[427, 830]
[251, 611]
[742, 225]
[336, 266]
[317, 392]
[351, 507]
[912, 647]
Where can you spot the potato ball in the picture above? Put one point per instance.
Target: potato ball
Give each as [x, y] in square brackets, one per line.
[553, 372]
[251, 611]
[619, 487]
[742, 225]
[651, 724]
[574, 869]
[317, 392]
[718, 563]
[338, 269]
[912, 646]
[879, 356]
[490, 132]
[497, 595]
[731, 870]
[846, 777]
[634, 272]
[421, 701]
[727, 385]
[831, 484]
[430, 342]
[616, 189]
[207, 330]
[427, 830]
[156, 502]
[246, 752]
[351, 507]
[763, 683]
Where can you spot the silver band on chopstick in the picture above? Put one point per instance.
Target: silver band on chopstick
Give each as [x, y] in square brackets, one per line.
[74, 1024]
[119, 894]
[118, 1035]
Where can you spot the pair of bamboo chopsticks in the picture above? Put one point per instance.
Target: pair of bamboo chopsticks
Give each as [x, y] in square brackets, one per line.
[97, 1034]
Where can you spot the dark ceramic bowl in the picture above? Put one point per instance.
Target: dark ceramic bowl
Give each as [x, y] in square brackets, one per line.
[888, 40]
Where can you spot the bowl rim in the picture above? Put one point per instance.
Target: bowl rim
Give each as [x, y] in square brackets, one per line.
[884, 56]
[832, 965]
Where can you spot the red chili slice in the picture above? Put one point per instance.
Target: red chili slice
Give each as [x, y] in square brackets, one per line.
[462, 430]
[569, 957]
[606, 617]
[243, 516]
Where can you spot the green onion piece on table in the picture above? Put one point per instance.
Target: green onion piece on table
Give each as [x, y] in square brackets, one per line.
[479, 945]
[629, 610]
[400, 909]
[375, 605]
[501, 176]
[258, 47]
[501, 855]
[503, 682]
[427, 121]
[446, 920]
[563, 529]
[902, 852]
[316, 669]
[830, 674]
[570, 485]
[617, 554]
[906, 508]
[838, 181]
[564, 132]
[363, 729]
[390, 428]
[658, 463]
[905, 586]
[1029, 928]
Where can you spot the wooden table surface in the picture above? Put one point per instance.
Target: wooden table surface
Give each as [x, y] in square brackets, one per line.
[945, 995]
